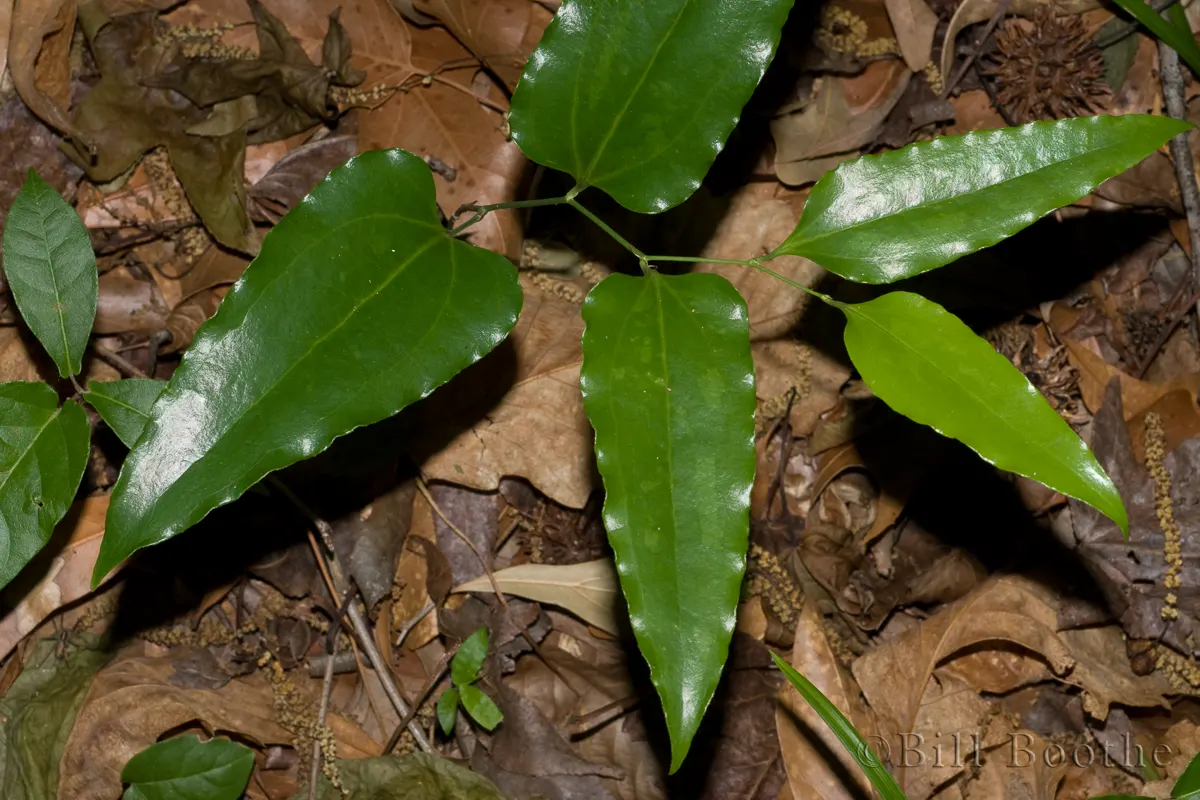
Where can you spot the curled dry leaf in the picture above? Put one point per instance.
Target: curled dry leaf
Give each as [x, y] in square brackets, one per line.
[1002, 776]
[295, 175]
[526, 397]
[187, 317]
[215, 267]
[914, 23]
[62, 575]
[1136, 395]
[133, 701]
[810, 773]
[412, 577]
[589, 590]
[39, 44]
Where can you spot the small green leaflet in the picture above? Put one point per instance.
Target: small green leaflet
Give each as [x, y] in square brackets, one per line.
[125, 405]
[43, 451]
[185, 768]
[880, 219]
[480, 706]
[447, 710]
[469, 659]
[636, 97]
[359, 304]
[926, 364]
[668, 384]
[52, 272]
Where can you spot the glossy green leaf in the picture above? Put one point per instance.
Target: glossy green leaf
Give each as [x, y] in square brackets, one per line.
[447, 710]
[469, 658]
[637, 98]
[1188, 784]
[668, 384]
[125, 405]
[1180, 39]
[185, 768]
[43, 450]
[845, 731]
[359, 304]
[480, 707]
[926, 364]
[52, 271]
[879, 219]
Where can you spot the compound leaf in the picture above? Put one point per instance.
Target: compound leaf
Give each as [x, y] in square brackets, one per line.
[637, 98]
[359, 304]
[882, 218]
[51, 269]
[926, 364]
[43, 450]
[125, 405]
[668, 384]
[469, 658]
[185, 768]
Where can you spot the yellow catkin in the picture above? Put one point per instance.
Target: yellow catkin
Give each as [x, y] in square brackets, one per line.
[933, 76]
[1181, 672]
[1165, 511]
[843, 32]
[768, 580]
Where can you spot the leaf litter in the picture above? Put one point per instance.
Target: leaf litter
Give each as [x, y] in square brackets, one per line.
[919, 596]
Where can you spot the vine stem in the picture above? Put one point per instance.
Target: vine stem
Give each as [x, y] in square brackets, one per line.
[643, 262]
[483, 211]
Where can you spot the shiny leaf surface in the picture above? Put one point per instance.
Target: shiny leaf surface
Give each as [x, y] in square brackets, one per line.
[926, 364]
[185, 768]
[480, 707]
[668, 384]
[43, 451]
[51, 270]
[359, 304]
[125, 405]
[882, 218]
[1180, 38]
[638, 98]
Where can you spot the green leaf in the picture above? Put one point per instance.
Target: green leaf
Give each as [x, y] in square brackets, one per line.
[1179, 39]
[637, 98]
[185, 768]
[469, 658]
[125, 405]
[480, 706]
[447, 710]
[359, 304]
[926, 364]
[845, 731]
[52, 272]
[43, 450]
[879, 219]
[668, 384]
[1189, 782]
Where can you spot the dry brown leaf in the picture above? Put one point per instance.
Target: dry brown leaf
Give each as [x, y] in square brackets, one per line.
[974, 111]
[126, 304]
[759, 217]
[1102, 670]
[914, 23]
[843, 115]
[500, 33]
[537, 429]
[818, 378]
[412, 572]
[132, 702]
[810, 775]
[590, 589]
[1137, 396]
[38, 48]
[6, 10]
[215, 267]
[63, 574]
[1010, 772]
[442, 120]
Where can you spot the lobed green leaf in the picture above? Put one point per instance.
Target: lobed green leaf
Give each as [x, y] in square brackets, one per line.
[185, 768]
[359, 304]
[43, 451]
[926, 364]
[882, 218]
[668, 384]
[481, 707]
[51, 271]
[637, 98]
[469, 659]
[125, 405]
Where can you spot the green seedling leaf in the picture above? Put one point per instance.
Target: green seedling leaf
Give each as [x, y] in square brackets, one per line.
[845, 731]
[52, 272]
[125, 405]
[1188, 785]
[1178, 38]
[638, 98]
[926, 364]
[447, 710]
[480, 706]
[668, 384]
[359, 304]
[185, 768]
[879, 219]
[42, 455]
[469, 659]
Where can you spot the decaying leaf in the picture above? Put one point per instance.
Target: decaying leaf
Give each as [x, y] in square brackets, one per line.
[1136, 395]
[419, 776]
[128, 305]
[39, 43]
[914, 23]
[294, 175]
[590, 590]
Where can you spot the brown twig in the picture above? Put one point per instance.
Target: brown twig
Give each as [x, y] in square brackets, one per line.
[322, 713]
[1181, 152]
[1174, 319]
[123, 366]
[443, 665]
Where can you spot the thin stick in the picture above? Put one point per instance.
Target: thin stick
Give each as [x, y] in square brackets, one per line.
[123, 366]
[326, 690]
[604, 226]
[444, 665]
[414, 622]
[1181, 152]
[493, 105]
